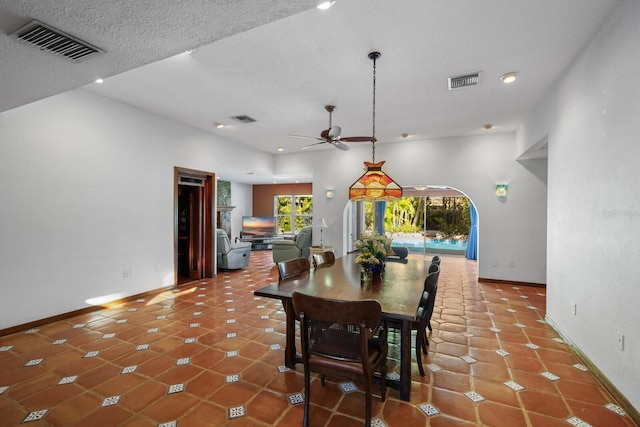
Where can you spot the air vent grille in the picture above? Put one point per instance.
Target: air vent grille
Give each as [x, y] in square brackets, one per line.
[191, 181]
[55, 41]
[464, 81]
[244, 119]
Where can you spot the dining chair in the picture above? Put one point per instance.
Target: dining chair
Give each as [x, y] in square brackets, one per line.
[423, 314]
[325, 258]
[345, 336]
[293, 267]
[435, 260]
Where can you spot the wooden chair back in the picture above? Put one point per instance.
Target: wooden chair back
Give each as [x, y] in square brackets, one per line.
[293, 267]
[325, 258]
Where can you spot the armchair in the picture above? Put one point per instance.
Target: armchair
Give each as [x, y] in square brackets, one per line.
[231, 256]
[299, 247]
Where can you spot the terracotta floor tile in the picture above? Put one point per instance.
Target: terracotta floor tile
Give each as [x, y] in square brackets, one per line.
[496, 414]
[105, 417]
[453, 404]
[73, 409]
[204, 414]
[452, 381]
[543, 403]
[446, 421]
[490, 371]
[496, 391]
[267, 406]
[596, 415]
[233, 394]
[170, 407]
[192, 323]
[529, 364]
[587, 392]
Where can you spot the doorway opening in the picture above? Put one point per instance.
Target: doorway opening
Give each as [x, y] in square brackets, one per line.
[428, 219]
[194, 210]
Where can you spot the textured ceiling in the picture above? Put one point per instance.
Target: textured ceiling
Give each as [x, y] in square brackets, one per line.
[281, 62]
[133, 33]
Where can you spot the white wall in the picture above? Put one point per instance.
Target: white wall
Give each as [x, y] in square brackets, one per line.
[592, 118]
[514, 230]
[86, 191]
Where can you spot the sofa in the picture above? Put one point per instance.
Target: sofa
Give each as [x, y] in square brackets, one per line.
[299, 247]
[231, 256]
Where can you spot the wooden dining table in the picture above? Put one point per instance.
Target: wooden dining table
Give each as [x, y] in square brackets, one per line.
[398, 291]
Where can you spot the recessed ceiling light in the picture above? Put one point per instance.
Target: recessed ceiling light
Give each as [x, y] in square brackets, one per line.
[509, 77]
[218, 125]
[99, 81]
[487, 126]
[324, 5]
[280, 149]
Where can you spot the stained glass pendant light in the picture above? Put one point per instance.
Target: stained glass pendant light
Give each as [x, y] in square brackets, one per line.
[374, 185]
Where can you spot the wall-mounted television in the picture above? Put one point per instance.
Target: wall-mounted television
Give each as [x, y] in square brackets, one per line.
[259, 226]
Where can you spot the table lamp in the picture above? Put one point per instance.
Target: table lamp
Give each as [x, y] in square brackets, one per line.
[322, 225]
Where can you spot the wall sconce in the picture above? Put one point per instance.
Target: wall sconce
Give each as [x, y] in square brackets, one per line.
[329, 193]
[501, 190]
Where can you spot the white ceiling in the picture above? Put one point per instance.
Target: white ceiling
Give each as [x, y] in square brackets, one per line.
[281, 62]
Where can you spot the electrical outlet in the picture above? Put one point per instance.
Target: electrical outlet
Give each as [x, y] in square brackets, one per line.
[620, 341]
[511, 264]
[574, 308]
[125, 274]
[157, 268]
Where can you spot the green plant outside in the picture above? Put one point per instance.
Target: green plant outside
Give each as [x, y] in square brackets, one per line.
[451, 218]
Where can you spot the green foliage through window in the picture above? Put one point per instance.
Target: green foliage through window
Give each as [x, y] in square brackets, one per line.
[448, 215]
[293, 212]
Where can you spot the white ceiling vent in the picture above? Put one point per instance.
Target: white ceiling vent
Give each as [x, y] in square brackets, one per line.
[244, 119]
[55, 41]
[463, 81]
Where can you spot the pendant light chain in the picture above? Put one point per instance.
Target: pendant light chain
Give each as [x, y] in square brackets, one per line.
[374, 56]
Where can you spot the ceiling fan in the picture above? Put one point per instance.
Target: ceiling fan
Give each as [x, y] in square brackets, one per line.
[332, 135]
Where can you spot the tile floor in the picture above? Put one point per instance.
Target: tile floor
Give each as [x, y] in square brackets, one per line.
[211, 354]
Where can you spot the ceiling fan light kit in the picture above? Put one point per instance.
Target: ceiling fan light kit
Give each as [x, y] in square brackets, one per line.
[374, 185]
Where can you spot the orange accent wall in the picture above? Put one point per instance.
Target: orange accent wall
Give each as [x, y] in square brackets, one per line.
[263, 195]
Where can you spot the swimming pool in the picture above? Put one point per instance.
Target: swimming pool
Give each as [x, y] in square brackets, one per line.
[417, 245]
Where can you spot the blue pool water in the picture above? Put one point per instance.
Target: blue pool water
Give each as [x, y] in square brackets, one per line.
[417, 245]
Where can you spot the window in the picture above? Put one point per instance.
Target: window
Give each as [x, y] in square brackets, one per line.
[293, 212]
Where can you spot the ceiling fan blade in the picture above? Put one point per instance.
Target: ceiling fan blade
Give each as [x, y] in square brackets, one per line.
[307, 137]
[340, 146]
[334, 132]
[357, 138]
[311, 145]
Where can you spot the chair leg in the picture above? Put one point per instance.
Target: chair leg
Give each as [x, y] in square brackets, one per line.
[383, 381]
[420, 337]
[307, 396]
[367, 392]
[425, 342]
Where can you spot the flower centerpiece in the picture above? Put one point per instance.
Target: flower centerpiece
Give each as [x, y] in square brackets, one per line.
[373, 252]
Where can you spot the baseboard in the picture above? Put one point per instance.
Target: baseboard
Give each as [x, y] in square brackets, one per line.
[511, 282]
[86, 310]
[612, 389]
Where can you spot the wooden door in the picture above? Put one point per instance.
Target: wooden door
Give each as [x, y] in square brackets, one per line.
[194, 248]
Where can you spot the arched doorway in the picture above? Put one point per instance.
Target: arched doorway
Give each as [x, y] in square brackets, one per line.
[429, 219]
